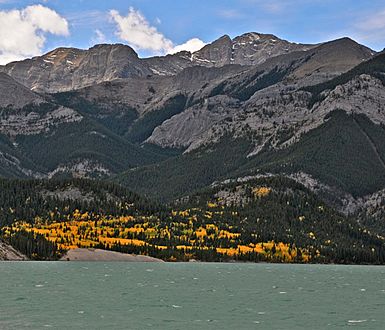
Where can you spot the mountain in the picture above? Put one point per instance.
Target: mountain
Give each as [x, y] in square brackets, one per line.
[209, 96]
[71, 68]
[254, 106]
[42, 138]
[283, 119]
[269, 93]
[247, 49]
[276, 117]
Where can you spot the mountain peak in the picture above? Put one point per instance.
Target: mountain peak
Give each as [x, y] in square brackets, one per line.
[218, 53]
[254, 48]
[67, 68]
[224, 37]
[347, 45]
[251, 48]
[113, 46]
[333, 58]
[342, 41]
[256, 36]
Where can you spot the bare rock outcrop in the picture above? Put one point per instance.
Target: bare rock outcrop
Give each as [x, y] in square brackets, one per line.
[103, 255]
[8, 253]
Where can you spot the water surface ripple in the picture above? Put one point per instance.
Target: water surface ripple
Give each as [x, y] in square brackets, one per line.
[65, 295]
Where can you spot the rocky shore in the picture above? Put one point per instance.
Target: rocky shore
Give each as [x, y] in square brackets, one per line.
[8, 253]
[103, 255]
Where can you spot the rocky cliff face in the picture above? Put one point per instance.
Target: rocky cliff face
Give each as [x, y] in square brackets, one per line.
[331, 59]
[256, 48]
[65, 69]
[39, 137]
[70, 68]
[247, 49]
[270, 98]
[24, 112]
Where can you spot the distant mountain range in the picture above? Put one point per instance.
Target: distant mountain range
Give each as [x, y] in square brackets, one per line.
[65, 69]
[237, 109]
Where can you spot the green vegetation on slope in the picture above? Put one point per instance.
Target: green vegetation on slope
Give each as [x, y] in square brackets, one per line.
[181, 175]
[267, 219]
[346, 152]
[144, 126]
[116, 118]
[281, 210]
[87, 139]
[247, 88]
[55, 199]
[10, 159]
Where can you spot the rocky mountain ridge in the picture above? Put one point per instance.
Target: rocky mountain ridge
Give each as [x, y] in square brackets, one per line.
[66, 69]
[278, 99]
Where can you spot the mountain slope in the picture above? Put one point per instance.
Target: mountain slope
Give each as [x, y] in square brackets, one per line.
[267, 219]
[39, 137]
[181, 175]
[280, 210]
[262, 98]
[374, 67]
[55, 199]
[14, 94]
[345, 152]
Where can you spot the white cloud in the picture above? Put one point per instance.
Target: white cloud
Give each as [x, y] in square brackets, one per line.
[46, 19]
[138, 33]
[22, 32]
[136, 30]
[191, 45]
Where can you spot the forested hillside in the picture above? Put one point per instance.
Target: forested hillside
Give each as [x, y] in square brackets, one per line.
[270, 219]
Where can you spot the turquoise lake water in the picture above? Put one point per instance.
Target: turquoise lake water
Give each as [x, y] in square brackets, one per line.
[65, 295]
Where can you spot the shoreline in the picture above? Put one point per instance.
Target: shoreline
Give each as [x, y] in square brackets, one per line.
[189, 262]
[9, 254]
[98, 255]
